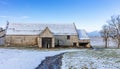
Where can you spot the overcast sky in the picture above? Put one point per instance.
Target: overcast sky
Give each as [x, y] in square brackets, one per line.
[86, 14]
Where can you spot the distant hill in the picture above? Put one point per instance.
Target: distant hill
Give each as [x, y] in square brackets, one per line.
[94, 33]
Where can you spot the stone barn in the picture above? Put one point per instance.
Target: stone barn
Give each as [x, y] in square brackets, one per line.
[45, 35]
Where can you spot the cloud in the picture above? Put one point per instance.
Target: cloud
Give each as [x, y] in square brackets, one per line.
[4, 16]
[25, 17]
[15, 18]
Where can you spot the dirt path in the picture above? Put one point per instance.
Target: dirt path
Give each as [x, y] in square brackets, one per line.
[53, 62]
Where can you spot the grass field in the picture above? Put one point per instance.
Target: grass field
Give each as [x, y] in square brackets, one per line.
[92, 59]
[29, 58]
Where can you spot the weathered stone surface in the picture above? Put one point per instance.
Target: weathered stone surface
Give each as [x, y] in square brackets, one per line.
[21, 40]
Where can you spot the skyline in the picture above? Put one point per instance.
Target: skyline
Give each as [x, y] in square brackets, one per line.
[86, 14]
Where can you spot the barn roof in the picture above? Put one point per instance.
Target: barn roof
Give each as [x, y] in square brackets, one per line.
[82, 34]
[36, 29]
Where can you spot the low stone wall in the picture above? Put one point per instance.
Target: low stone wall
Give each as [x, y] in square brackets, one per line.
[53, 62]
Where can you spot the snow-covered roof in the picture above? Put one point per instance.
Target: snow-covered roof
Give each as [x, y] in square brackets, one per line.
[82, 34]
[36, 29]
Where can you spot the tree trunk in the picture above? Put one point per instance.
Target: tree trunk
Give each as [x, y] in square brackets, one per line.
[106, 42]
[118, 43]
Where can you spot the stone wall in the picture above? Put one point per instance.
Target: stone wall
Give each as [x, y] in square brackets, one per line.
[63, 41]
[25, 40]
[46, 34]
[21, 40]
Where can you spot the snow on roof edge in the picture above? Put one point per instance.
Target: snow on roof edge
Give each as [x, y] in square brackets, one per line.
[82, 34]
[27, 29]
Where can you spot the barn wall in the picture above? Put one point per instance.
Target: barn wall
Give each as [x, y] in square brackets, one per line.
[46, 33]
[33, 40]
[21, 40]
[64, 41]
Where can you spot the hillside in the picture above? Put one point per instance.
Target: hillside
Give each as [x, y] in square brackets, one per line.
[94, 33]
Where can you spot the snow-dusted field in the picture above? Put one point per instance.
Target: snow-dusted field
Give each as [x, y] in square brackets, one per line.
[72, 59]
[91, 59]
[98, 42]
[25, 59]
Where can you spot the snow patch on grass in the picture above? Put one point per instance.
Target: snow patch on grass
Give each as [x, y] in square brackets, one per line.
[89, 59]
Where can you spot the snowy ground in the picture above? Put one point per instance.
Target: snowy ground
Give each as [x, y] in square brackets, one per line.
[91, 59]
[72, 59]
[25, 59]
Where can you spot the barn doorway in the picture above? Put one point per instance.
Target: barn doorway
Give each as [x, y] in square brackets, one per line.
[46, 42]
[83, 45]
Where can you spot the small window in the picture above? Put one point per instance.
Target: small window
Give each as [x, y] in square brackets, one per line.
[68, 37]
[74, 44]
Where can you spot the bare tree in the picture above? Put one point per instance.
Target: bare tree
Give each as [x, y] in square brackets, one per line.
[105, 34]
[114, 24]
